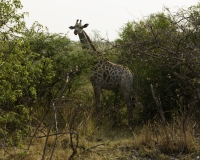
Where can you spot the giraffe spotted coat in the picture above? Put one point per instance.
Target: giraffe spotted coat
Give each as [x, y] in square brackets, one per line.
[105, 74]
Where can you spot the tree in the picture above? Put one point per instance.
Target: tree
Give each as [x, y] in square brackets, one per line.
[13, 74]
[11, 21]
[164, 50]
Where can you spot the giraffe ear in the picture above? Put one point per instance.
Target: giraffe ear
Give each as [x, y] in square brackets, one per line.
[71, 27]
[85, 25]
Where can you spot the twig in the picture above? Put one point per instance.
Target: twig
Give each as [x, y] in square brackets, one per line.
[52, 134]
[37, 130]
[73, 147]
[45, 146]
[159, 108]
[56, 126]
[191, 106]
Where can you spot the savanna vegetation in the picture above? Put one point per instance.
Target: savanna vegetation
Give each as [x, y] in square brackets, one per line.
[46, 99]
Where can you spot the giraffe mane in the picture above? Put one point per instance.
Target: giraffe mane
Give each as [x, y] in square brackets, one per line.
[89, 40]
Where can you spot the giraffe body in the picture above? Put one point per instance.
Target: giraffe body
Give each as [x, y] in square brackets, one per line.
[107, 75]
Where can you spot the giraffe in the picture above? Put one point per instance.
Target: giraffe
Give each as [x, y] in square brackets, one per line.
[105, 74]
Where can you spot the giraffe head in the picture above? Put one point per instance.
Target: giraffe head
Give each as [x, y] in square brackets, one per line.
[78, 27]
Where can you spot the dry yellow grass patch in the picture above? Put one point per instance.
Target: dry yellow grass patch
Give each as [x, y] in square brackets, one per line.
[154, 139]
[95, 141]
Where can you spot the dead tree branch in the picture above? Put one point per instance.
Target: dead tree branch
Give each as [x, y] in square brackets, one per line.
[72, 133]
[160, 110]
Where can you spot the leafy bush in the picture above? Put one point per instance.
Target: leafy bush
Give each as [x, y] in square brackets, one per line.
[35, 66]
[164, 52]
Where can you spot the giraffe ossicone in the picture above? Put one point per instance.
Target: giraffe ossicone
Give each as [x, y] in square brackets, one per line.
[107, 75]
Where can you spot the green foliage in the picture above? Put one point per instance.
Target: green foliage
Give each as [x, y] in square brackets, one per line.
[34, 67]
[163, 50]
[14, 115]
[11, 21]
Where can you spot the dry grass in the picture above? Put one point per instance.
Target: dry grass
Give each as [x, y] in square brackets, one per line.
[153, 139]
[105, 142]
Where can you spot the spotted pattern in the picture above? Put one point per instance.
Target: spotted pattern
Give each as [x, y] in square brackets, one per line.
[107, 75]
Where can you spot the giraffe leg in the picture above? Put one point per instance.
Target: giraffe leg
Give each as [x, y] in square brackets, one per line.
[126, 88]
[126, 92]
[115, 110]
[129, 109]
[97, 93]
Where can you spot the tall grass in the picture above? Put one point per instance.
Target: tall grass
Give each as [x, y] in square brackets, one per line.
[102, 141]
[151, 138]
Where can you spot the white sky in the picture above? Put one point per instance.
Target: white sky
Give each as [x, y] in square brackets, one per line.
[105, 16]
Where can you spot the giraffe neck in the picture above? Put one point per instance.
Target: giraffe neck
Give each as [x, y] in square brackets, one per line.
[86, 42]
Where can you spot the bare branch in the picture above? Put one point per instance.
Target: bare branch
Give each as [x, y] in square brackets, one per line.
[160, 110]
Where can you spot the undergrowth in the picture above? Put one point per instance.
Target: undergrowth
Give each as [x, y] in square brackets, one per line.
[104, 141]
